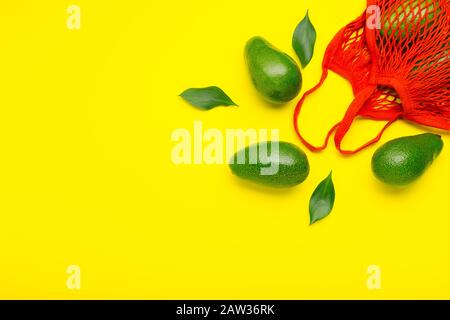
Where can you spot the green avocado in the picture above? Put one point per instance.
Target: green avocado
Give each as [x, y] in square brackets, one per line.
[404, 160]
[406, 16]
[274, 74]
[273, 164]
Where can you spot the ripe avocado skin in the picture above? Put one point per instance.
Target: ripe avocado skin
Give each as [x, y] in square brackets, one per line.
[274, 74]
[404, 160]
[293, 166]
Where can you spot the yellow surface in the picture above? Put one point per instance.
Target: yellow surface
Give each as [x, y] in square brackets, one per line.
[86, 176]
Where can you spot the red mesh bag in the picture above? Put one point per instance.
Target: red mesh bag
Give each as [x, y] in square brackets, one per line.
[398, 66]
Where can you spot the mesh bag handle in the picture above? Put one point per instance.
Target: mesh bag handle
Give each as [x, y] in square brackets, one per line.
[409, 54]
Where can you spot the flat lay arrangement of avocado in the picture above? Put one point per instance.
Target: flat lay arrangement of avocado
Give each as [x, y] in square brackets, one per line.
[277, 78]
[275, 75]
[285, 165]
[404, 160]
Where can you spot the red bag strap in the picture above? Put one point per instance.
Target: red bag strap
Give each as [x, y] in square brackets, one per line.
[298, 109]
[350, 116]
[342, 127]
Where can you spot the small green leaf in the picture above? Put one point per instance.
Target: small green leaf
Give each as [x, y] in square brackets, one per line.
[304, 40]
[322, 200]
[207, 98]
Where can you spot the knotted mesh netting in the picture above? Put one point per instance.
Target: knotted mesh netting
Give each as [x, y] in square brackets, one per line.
[397, 58]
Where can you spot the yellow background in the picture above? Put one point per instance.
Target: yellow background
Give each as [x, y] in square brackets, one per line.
[86, 176]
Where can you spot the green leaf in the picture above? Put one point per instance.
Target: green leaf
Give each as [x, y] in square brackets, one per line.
[322, 200]
[207, 98]
[304, 40]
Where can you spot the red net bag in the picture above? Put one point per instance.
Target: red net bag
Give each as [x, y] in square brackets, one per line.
[397, 58]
